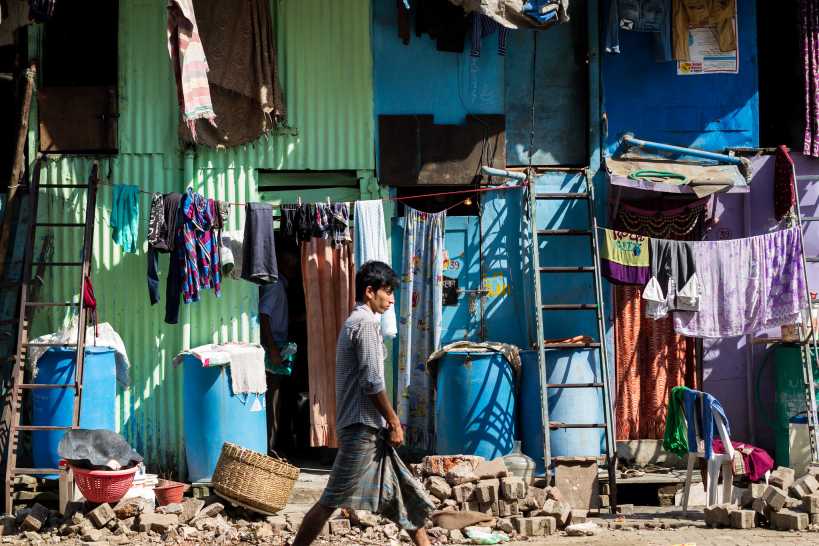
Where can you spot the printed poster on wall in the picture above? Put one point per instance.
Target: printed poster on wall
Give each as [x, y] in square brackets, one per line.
[705, 56]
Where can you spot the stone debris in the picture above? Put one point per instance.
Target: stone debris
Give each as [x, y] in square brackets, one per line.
[582, 529]
[101, 515]
[783, 477]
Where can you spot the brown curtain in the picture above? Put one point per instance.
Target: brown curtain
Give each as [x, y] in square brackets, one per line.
[649, 357]
[328, 274]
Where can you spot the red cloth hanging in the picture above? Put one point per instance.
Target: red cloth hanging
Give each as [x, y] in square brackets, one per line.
[784, 182]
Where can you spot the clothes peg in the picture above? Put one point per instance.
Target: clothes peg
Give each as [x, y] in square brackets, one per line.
[299, 200]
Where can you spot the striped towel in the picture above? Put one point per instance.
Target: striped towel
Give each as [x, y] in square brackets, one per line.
[190, 64]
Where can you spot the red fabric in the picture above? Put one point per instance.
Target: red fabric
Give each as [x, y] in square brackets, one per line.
[784, 183]
[757, 462]
[650, 358]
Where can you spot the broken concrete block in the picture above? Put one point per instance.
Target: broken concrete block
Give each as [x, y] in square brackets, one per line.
[625, 509]
[782, 477]
[811, 503]
[93, 535]
[101, 515]
[339, 526]
[742, 519]
[717, 515]
[461, 473]
[513, 488]
[579, 516]
[131, 508]
[190, 509]
[561, 511]
[814, 519]
[507, 509]
[490, 508]
[439, 465]
[775, 498]
[35, 519]
[804, 486]
[535, 526]
[487, 470]
[438, 487]
[211, 510]
[755, 491]
[8, 526]
[472, 506]
[487, 490]
[502, 524]
[759, 506]
[788, 520]
[604, 501]
[792, 503]
[534, 499]
[463, 493]
[172, 508]
[158, 523]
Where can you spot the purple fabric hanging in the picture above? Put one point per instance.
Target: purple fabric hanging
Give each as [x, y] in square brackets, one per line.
[809, 23]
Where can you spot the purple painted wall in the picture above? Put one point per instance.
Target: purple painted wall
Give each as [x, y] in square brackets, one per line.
[730, 365]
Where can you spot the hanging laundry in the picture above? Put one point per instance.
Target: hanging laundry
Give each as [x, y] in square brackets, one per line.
[624, 257]
[164, 223]
[809, 40]
[124, 221]
[189, 64]
[201, 263]
[541, 11]
[784, 182]
[483, 26]
[674, 284]
[40, 11]
[371, 244]
[259, 247]
[517, 13]
[340, 223]
[746, 285]
[652, 16]
[231, 252]
[420, 318]
[445, 23]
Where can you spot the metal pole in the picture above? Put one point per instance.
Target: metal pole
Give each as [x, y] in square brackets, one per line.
[629, 140]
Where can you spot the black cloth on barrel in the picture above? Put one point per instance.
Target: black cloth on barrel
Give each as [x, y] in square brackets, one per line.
[87, 448]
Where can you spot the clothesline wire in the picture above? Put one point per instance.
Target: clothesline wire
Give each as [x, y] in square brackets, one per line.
[402, 198]
[604, 228]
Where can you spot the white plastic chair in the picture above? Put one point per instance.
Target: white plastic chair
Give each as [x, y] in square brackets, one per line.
[717, 461]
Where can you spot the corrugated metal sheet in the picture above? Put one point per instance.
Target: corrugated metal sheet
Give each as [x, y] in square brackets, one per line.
[325, 55]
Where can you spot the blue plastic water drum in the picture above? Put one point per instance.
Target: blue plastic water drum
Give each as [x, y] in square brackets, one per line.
[55, 407]
[577, 406]
[475, 405]
[213, 416]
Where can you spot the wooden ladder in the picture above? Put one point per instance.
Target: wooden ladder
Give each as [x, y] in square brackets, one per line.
[26, 307]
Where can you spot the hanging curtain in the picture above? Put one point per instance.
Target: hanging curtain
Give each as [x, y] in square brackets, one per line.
[328, 274]
[650, 357]
[809, 26]
[419, 330]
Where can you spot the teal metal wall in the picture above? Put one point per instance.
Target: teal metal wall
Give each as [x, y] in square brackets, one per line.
[326, 69]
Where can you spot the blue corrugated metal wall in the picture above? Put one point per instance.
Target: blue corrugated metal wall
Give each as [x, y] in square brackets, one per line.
[710, 111]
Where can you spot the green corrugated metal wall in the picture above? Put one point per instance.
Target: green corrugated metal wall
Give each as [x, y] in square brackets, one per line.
[326, 68]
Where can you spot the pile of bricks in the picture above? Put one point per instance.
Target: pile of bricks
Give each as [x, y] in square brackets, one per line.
[785, 504]
[486, 488]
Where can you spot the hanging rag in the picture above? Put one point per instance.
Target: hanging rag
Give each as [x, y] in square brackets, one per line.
[420, 322]
[339, 223]
[370, 243]
[89, 301]
[200, 264]
[328, 276]
[124, 221]
[720, 14]
[242, 75]
[518, 13]
[674, 284]
[755, 460]
[809, 30]
[189, 64]
[784, 182]
[652, 16]
[675, 438]
[164, 224]
[247, 374]
[624, 257]
[259, 247]
[483, 26]
[746, 285]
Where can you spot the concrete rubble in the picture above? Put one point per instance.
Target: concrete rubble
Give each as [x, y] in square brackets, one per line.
[473, 498]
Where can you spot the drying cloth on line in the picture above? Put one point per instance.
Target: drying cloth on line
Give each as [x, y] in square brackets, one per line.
[189, 64]
[259, 247]
[624, 257]
[103, 335]
[510, 352]
[784, 183]
[674, 284]
[124, 221]
[242, 75]
[200, 260]
[422, 284]
[370, 243]
[369, 475]
[746, 285]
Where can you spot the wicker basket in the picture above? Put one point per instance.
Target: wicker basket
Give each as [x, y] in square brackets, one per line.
[253, 479]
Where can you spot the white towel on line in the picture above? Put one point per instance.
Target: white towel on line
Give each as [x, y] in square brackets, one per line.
[370, 243]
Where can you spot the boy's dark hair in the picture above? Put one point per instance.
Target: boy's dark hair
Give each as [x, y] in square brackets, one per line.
[375, 274]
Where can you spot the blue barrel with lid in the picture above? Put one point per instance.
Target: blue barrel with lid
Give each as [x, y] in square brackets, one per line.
[475, 405]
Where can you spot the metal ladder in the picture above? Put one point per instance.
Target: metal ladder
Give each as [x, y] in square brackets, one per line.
[808, 337]
[19, 386]
[597, 307]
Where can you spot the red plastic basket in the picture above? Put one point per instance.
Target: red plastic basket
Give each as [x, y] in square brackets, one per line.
[103, 485]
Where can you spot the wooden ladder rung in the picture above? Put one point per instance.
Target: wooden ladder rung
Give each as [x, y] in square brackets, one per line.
[35, 386]
[24, 471]
[30, 428]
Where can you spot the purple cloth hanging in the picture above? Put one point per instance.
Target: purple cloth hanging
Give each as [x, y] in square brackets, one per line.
[809, 26]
